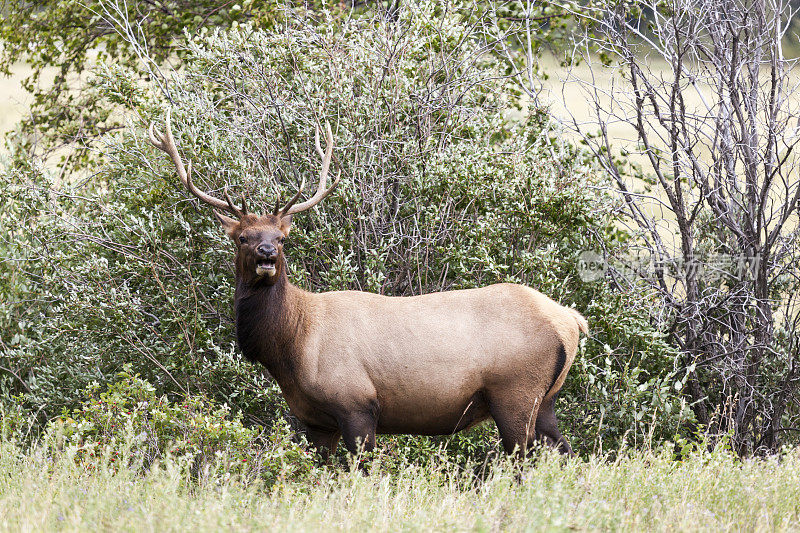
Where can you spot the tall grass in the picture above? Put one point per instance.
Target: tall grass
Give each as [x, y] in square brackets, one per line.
[638, 491]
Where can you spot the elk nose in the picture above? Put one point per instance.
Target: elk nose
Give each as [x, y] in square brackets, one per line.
[266, 250]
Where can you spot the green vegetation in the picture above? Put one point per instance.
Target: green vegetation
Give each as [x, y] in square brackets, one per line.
[65, 40]
[127, 459]
[637, 491]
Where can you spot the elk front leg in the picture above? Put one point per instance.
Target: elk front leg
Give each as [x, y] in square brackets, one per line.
[358, 431]
[323, 440]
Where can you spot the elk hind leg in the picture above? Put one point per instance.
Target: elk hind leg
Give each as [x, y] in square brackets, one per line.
[516, 423]
[547, 427]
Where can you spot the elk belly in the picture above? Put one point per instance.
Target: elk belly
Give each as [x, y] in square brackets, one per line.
[442, 419]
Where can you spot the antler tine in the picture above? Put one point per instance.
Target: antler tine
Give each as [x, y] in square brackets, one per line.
[322, 192]
[166, 143]
[316, 139]
[156, 137]
[238, 212]
[290, 203]
[277, 209]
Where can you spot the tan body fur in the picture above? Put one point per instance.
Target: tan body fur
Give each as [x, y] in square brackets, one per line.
[437, 350]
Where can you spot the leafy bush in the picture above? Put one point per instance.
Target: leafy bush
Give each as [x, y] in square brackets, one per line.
[449, 182]
[129, 420]
[63, 110]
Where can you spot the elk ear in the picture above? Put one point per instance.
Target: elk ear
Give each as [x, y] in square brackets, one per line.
[228, 224]
[286, 224]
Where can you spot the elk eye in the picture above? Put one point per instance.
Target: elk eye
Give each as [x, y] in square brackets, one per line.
[242, 239]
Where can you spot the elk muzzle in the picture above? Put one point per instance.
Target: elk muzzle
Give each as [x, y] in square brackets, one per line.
[266, 260]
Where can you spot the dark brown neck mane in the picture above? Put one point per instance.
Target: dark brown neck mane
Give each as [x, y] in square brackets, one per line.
[268, 322]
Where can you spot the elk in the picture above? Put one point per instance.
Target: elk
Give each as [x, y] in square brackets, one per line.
[354, 364]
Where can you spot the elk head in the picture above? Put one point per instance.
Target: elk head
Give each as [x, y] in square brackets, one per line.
[258, 239]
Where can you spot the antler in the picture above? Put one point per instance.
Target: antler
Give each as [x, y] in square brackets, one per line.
[322, 192]
[166, 143]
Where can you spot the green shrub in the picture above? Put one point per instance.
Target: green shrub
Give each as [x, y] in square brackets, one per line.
[63, 109]
[129, 420]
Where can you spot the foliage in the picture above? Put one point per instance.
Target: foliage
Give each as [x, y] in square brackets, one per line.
[15, 422]
[146, 37]
[449, 182]
[62, 40]
[129, 421]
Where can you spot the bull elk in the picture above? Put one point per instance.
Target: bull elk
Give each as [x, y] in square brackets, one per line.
[354, 364]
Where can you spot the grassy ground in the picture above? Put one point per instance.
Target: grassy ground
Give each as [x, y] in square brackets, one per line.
[707, 492]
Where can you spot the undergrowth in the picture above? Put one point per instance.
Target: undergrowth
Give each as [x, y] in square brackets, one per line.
[44, 488]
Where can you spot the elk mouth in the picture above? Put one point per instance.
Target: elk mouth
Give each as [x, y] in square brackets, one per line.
[267, 266]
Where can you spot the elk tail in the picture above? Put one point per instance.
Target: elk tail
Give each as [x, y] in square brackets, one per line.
[583, 325]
